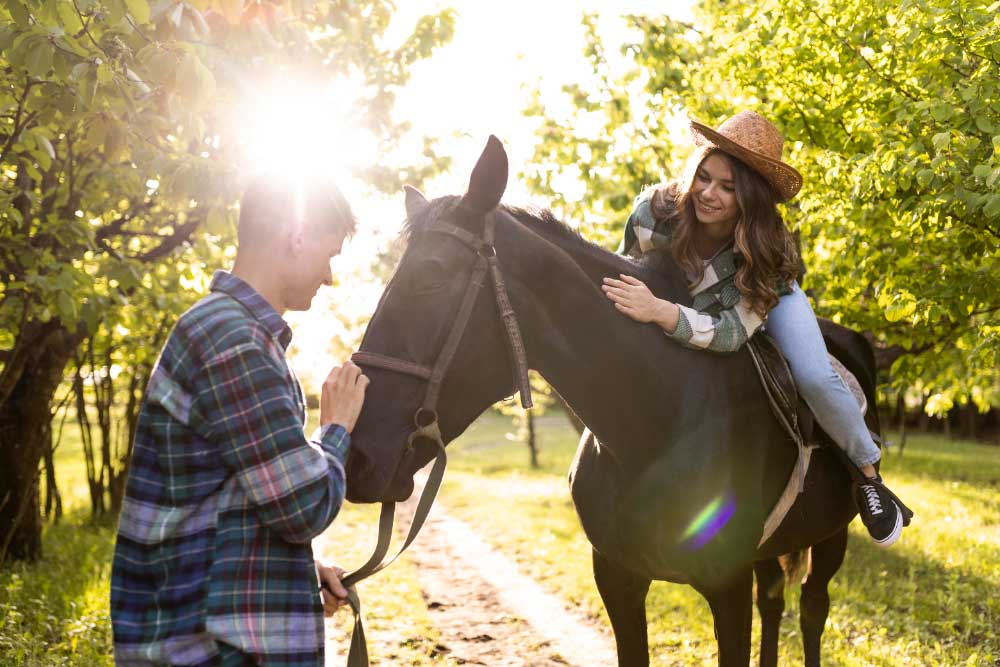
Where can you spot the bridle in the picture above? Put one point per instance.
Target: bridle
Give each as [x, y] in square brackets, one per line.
[426, 417]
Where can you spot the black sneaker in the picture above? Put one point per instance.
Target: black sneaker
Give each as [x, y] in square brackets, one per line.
[879, 512]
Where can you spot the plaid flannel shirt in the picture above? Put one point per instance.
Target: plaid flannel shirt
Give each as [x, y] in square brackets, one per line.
[224, 494]
[719, 319]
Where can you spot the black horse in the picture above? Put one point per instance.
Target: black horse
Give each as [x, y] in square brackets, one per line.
[687, 460]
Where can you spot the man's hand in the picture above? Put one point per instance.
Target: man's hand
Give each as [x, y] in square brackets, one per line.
[342, 396]
[334, 593]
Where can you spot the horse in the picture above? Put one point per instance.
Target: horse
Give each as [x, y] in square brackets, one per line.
[682, 460]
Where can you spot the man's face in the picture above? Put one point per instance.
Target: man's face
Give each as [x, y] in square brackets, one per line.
[308, 265]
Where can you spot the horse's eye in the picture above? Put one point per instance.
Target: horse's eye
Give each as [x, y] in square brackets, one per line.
[430, 287]
[431, 277]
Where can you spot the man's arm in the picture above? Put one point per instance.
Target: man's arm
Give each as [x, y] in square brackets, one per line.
[297, 486]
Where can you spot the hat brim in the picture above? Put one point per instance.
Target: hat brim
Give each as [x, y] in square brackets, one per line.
[785, 180]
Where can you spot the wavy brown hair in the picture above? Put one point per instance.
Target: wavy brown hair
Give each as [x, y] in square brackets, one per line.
[766, 252]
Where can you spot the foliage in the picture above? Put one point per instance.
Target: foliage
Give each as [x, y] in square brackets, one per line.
[931, 599]
[893, 118]
[119, 163]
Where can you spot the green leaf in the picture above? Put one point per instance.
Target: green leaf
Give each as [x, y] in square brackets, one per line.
[69, 18]
[981, 171]
[994, 178]
[116, 11]
[899, 310]
[941, 112]
[984, 124]
[39, 60]
[66, 306]
[194, 81]
[924, 177]
[941, 140]
[18, 12]
[992, 208]
[139, 9]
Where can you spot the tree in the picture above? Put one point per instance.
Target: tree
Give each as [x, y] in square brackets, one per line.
[892, 116]
[119, 178]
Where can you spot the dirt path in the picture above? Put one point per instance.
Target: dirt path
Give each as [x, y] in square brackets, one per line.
[487, 612]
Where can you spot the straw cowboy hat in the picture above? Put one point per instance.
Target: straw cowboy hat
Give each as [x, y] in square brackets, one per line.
[754, 140]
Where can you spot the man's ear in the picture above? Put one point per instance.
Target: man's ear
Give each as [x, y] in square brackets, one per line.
[295, 239]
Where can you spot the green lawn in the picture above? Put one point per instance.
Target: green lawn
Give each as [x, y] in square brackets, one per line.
[933, 599]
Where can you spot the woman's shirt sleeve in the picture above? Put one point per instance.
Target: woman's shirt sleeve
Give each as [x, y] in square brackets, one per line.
[643, 233]
[725, 332]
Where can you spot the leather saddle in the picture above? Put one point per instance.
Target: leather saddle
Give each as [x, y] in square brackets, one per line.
[788, 407]
[796, 418]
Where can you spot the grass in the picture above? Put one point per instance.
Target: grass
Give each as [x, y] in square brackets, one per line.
[931, 600]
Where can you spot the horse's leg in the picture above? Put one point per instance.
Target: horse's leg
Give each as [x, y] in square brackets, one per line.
[827, 557]
[732, 609]
[624, 595]
[770, 604]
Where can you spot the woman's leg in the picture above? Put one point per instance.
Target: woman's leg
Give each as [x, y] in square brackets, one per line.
[792, 324]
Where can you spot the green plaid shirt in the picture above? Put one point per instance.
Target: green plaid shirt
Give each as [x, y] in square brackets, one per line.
[224, 494]
[719, 319]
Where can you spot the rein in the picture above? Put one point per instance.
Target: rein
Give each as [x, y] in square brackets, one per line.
[426, 417]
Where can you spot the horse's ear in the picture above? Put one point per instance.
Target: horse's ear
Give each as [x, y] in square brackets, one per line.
[415, 201]
[489, 178]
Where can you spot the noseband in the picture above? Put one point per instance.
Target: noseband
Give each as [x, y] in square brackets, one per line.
[426, 417]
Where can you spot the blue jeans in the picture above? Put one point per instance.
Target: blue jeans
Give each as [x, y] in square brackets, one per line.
[792, 324]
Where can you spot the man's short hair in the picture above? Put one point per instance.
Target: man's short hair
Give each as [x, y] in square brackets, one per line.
[270, 204]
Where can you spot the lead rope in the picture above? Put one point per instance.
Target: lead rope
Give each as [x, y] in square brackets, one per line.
[426, 420]
[358, 654]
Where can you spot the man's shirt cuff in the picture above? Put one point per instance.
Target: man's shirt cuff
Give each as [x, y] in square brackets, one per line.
[334, 439]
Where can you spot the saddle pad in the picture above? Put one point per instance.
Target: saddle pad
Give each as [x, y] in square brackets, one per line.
[776, 379]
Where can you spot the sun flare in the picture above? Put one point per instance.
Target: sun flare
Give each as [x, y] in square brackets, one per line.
[300, 129]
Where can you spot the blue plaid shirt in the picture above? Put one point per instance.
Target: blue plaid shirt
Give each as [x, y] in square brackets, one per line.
[224, 495]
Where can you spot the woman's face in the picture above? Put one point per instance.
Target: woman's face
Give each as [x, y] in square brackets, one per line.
[714, 195]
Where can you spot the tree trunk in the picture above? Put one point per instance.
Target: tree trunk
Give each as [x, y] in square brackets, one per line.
[901, 413]
[967, 414]
[532, 444]
[25, 420]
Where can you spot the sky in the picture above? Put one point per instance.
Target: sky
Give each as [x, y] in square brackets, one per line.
[474, 86]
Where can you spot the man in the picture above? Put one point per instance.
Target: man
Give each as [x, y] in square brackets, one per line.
[213, 563]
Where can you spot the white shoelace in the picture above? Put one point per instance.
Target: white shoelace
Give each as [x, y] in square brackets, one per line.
[874, 502]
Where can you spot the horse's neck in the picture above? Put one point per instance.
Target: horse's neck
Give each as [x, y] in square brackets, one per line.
[610, 369]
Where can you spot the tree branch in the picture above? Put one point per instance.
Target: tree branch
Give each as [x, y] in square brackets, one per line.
[181, 235]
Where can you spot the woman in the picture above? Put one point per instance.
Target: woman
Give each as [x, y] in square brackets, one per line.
[721, 224]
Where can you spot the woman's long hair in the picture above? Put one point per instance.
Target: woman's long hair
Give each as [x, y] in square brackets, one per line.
[767, 254]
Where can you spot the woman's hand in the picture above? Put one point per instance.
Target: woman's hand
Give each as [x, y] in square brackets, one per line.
[632, 297]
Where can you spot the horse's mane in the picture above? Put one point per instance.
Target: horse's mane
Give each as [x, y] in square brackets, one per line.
[654, 268]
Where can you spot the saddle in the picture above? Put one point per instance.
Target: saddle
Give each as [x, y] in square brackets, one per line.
[795, 417]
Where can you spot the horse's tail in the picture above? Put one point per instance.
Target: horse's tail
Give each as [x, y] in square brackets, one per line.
[797, 565]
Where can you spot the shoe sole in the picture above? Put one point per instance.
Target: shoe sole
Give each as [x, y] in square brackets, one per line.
[897, 530]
